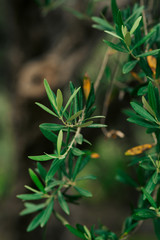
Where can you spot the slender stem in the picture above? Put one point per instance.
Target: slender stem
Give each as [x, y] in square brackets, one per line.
[131, 53]
[106, 105]
[102, 69]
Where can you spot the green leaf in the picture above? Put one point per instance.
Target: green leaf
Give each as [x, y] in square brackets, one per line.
[114, 10]
[116, 47]
[149, 198]
[103, 22]
[97, 125]
[142, 91]
[83, 192]
[53, 184]
[113, 34]
[77, 152]
[142, 112]
[125, 178]
[141, 214]
[59, 142]
[28, 197]
[31, 189]
[127, 39]
[150, 53]
[59, 99]
[152, 97]
[77, 167]
[88, 177]
[36, 180]
[148, 107]
[46, 109]
[142, 122]
[135, 14]
[74, 116]
[49, 93]
[35, 222]
[63, 203]
[150, 186]
[79, 138]
[124, 30]
[30, 208]
[75, 232]
[129, 66]
[49, 135]
[52, 126]
[42, 171]
[70, 99]
[53, 169]
[96, 117]
[143, 40]
[135, 25]
[47, 213]
[42, 157]
[86, 124]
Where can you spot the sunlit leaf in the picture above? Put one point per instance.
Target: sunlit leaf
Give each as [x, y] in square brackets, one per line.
[95, 155]
[152, 62]
[138, 149]
[86, 86]
[135, 25]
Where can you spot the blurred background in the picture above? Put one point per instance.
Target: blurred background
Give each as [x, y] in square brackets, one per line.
[36, 42]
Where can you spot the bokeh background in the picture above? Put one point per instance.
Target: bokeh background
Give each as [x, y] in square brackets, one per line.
[38, 43]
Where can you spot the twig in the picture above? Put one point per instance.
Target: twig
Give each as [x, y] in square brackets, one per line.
[102, 69]
[144, 22]
[106, 106]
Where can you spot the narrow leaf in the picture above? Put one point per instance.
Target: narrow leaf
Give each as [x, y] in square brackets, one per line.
[127, 39]
[63, 203]
[59, 99]
[46, 109]
[144, 39]
[77, 152]
[75, 232]
[116, 47]
[36, 180]
[53, 169]
[149, 198]
[70, 99]
[35, 222]
[103, 22]
[49, 93]
[83, 192]
[153, 52]
[28, 197]
[42, 157]
[59, 142]
[129, 66]
[142, 112]
[52, 126]
[30, 208]
[148, 107]
[135, 25]
[114, 10]
[47, 213]
[113, 34]
[74, 116]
